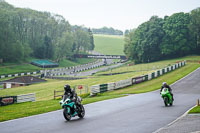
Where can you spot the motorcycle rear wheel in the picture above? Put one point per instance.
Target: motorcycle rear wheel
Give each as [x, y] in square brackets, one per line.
[66, 115]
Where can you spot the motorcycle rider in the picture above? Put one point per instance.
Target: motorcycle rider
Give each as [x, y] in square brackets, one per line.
[70, 93]
[164, 85]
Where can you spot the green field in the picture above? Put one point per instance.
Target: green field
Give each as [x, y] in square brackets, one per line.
[13, 69]
[78, 61]
[109, 44]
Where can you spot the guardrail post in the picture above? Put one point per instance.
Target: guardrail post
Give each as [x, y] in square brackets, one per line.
[198, 102]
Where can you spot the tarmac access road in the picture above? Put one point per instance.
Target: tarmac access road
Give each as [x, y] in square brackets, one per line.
[139, 113]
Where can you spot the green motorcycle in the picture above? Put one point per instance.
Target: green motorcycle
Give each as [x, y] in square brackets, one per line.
[165, 94]
[70, 109]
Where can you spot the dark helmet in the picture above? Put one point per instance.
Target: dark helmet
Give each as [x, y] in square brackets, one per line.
[67, 88]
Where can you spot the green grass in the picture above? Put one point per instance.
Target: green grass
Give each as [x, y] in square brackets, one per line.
[13, 69]
[196, 109]
[68, 63]
[44, 91]
[109, 44]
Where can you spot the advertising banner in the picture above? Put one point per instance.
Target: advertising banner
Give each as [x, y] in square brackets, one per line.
[7, 100]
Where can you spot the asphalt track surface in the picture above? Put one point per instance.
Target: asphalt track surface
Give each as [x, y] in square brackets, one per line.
[139, 113]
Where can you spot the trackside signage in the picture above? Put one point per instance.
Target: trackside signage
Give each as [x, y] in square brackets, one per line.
[17, 99]
[137, 80]
[7, 100]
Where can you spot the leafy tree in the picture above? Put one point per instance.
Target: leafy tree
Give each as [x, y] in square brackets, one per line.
[91, 40]
[127, 32]
[176, 41]
[26, 32]
[64, 46]
[142, 45]
[81, 41]
[194, 28]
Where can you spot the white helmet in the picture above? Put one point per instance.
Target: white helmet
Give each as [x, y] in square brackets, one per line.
[164, 83]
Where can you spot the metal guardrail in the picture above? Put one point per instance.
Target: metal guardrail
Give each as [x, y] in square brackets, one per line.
[26, 98]
[135, 80]
[19, 74]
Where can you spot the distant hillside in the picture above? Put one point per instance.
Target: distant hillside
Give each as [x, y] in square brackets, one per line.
[109, 44]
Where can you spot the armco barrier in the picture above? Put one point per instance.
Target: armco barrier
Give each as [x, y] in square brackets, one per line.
[18, 74]
[103, 87]
[124, 83]
[111, 86]
[26, 98]
[138, 80]
[149, 76]
[95, 89]
[153, 75]
[145, 77]
[158, 73]
[161, 73]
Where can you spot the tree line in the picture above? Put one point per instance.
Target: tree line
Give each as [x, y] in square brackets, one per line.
[163, 38]
[107, 31]
[28, 33]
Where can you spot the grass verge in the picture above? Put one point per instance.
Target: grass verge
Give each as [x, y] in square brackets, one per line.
[195, 110]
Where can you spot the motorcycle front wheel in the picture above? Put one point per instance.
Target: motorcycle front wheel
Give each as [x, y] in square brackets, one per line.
[166, 101]
[81, 113]
[66, 114]
[171, 103]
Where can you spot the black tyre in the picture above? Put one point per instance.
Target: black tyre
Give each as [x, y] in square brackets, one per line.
[81, 112]
[66, 114]
[166, 101]
[171, 103]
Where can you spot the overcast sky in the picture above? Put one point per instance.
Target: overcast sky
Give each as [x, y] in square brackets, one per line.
[119, 14]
